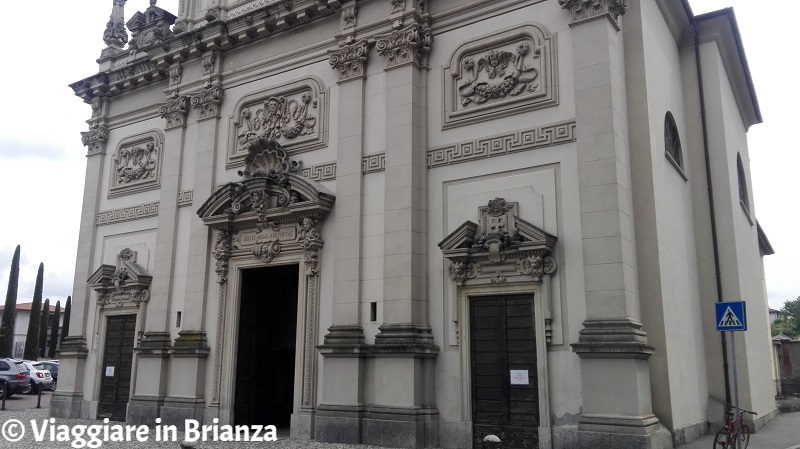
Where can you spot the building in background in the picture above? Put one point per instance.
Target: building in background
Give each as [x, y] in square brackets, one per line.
[417, 223]
[23, 317]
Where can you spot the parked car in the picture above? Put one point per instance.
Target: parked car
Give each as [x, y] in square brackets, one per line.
[52, 366]
[13, 377]
[40, 376]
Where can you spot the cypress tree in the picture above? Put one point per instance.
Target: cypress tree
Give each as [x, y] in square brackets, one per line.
[32, 340]
[65, 327]
[44, 323]
[51, 350]
[9, 312]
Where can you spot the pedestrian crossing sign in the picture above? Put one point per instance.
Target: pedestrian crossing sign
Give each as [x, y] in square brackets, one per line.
[730, 316]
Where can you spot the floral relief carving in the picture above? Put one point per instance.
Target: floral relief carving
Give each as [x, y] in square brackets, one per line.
[350, 61]
[95, 139]
[492, 77]
[583, 10]
[137, 164]
[175, 111]
[208, 101]
[500, 74]
[293, 115]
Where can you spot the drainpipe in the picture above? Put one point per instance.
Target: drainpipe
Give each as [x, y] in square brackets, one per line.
[711, 206]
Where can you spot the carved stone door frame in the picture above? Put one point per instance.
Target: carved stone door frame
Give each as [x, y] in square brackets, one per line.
[307, 318]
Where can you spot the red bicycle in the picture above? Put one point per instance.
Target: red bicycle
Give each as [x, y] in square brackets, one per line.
[726, 437]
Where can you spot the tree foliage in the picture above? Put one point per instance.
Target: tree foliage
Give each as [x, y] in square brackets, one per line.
[44, 324]
[51, 350]
[9, 312]
[65, 326]
[788, 322]
[32, 339]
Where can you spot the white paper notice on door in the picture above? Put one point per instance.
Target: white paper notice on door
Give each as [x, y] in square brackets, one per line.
[109, 371]
[519, 377]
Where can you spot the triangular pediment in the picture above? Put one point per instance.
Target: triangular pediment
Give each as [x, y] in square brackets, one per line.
[533, 234]
[462, 237]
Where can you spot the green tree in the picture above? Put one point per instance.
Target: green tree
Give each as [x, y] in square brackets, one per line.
[51, 350]
[32, 339]
[44, 324]
[9, 312]
[788, 323]
[67, 310]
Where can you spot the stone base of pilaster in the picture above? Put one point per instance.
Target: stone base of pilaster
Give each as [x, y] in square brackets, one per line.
[154, 344]
[67, 401]
[176, 410]
[191, 344]
[400, 427]
[404, 340]
[339, 423]
[344, 341]
[66, 404]
[143, 410]
[659, 439]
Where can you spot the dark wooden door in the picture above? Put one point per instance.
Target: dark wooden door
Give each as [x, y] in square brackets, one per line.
[504, 378]
[267, 347]
[115, 388]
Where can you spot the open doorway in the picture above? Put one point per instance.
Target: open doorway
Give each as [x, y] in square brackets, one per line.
[267, 345]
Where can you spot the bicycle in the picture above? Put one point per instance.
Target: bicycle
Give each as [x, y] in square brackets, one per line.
[726, 437]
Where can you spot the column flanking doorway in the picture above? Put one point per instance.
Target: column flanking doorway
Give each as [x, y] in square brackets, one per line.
[267, 346]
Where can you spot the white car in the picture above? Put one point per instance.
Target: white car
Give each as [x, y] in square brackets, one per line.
[40, 377]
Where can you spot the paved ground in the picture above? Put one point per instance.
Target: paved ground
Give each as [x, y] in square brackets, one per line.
[782, 433]
[20, 402]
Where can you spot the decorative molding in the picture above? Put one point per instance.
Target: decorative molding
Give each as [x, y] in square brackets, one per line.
[150, 28]
[295, 115]
[95, 139]
[208, 101]
[131, 213]
[175, 75]
[175, 110]
[125, 284]
[373, 163]
[322, 172]
[501, 144]
[349, 18]
[208, 63]
[500, 74]
[136, 165]
[585, 10]
[409, 45]
[350, 61]
[185, 198]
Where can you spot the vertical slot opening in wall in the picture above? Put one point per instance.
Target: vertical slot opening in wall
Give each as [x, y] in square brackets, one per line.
[373, 311]
[178, 320]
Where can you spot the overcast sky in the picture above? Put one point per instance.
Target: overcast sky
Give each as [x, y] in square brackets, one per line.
[42, 162]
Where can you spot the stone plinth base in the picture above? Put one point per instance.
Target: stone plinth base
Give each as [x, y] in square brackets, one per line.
[143, 410]
[66, 405]
[660, 439]
[176, 410]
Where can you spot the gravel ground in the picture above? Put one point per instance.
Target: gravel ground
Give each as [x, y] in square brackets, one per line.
[28, 440]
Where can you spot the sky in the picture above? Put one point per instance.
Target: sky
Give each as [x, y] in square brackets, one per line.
[42, 160]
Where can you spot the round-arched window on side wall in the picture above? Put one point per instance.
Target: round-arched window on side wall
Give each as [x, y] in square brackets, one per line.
[672, 140]
[744, 198]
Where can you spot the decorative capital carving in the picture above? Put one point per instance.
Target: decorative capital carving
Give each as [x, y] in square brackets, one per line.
[115, 35]
[175, 110]
[267, 251]
[462, 271]
[208, 63]
[127, 282]
[308, 235]
[311, 262]
[95, 139]
[585, 10]
[350, 61]
[208, 101]
[537, 266]
[349, 17]
[408, 45]
[175, 74]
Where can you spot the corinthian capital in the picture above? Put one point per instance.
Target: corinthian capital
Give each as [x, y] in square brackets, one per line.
[585, 10]
[407, 45]
[208, 100]
[95, 139]
[174, 111]
[350, 61]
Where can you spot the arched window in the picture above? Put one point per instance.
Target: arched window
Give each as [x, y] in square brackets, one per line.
[672, 142]
[744, 198]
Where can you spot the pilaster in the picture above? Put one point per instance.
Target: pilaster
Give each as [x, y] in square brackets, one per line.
[612, 345]
[154, 347]
[185, 398]
[67, 400]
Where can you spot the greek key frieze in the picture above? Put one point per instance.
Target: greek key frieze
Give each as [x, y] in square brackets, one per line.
[131, 213]
[373, 163]
[322, 172]
[486, 147]
[185, 198]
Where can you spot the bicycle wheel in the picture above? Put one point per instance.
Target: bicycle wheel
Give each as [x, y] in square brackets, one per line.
[723, 440]
[745, 433]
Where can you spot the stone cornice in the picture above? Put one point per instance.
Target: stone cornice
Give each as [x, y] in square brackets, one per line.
[586, 10]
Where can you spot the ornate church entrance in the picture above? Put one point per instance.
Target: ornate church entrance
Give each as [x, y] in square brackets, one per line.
[267, 343]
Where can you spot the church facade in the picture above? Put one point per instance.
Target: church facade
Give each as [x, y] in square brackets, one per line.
[417, 223]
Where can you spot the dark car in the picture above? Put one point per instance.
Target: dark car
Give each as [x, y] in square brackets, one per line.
[51, 366]
[13, 377]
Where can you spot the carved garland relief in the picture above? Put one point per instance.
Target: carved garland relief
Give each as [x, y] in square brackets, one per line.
[136, 165]
[500, 74]
[294, 115]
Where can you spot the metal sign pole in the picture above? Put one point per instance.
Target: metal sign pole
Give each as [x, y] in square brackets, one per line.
[735, 394]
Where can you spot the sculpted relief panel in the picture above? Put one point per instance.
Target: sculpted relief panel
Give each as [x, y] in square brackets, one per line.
[295, 115]
[136, 165]
[500, 74]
